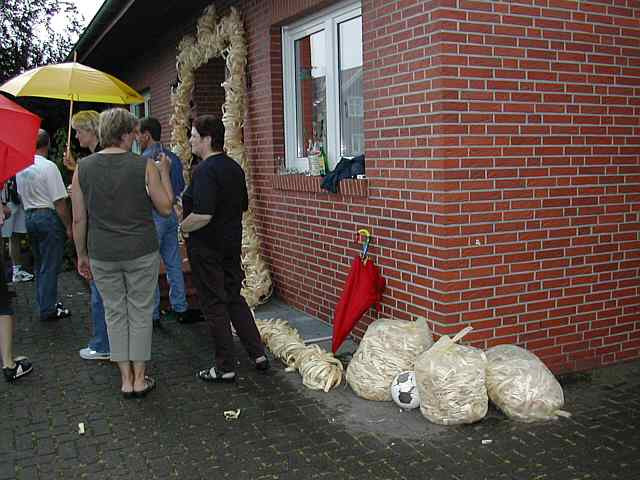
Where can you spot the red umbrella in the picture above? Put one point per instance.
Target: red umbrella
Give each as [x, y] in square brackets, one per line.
[18, 134]
[363, 288]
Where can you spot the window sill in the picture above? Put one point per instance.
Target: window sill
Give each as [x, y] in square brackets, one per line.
[305, 183]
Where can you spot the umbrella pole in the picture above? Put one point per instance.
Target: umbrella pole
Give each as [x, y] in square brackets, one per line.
[75, 57]
[69, 130]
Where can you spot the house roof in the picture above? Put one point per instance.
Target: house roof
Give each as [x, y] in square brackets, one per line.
[123, 28]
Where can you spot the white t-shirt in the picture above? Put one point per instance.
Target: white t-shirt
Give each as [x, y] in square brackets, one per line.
[40, 184]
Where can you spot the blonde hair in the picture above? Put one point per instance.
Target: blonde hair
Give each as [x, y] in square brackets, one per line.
[114, 123]
[86, 120]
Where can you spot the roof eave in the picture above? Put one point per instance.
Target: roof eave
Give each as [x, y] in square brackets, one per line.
[103, 21]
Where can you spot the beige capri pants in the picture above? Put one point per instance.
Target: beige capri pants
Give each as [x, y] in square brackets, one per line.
[128, 291]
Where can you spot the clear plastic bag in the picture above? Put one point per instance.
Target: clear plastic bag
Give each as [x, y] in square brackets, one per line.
[522, 386]
[387, 348]
[451, 382]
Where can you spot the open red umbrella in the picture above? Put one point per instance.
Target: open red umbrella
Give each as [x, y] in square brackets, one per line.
[18, 134]
[363, 288]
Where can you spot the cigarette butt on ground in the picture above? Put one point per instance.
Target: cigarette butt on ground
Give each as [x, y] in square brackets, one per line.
[81, 428]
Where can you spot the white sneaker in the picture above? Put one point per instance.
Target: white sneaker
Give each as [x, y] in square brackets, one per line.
[90, 354]
[21, 276]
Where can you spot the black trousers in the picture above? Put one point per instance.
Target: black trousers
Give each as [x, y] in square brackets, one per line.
[218, 281]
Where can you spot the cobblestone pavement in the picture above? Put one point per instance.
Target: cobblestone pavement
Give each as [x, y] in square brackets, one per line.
[284, 431]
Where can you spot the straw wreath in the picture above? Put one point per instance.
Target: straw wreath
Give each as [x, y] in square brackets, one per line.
[223, 37]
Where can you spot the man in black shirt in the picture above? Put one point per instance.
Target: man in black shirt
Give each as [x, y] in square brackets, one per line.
[217, 198]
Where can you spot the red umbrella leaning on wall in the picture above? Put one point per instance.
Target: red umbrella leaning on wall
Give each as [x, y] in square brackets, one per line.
[363, 288]
[18, 134]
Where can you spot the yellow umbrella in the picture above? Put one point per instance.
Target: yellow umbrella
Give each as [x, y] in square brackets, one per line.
[74, 82]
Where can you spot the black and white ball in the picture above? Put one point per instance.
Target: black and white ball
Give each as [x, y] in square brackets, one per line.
[404, 390]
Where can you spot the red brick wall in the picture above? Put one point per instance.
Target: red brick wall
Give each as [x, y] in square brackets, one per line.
[537, 140]
[289, 10]
[208, 94]
[155, 71]
[307, 236]
[502, 154]
[502, 146]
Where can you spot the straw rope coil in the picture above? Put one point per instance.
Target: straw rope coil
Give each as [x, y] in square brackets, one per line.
[319, 369]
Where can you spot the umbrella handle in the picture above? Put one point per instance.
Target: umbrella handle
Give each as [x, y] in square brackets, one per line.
[69, 129]
[363, 232]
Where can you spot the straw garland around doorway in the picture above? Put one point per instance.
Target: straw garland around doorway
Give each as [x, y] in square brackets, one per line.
[222, 37]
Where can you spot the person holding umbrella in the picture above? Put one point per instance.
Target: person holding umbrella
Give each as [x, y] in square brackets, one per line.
[86, 125]
[118, 247]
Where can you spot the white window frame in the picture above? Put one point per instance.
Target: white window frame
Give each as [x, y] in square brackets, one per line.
[327, 20]
[135, 109]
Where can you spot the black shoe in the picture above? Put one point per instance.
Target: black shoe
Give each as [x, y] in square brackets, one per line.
[213, 375]
[261, 363]
[190, 316]
[171, 316]
[23, 367]
[60, 313]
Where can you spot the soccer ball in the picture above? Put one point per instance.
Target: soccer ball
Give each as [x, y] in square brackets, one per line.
[404, 390]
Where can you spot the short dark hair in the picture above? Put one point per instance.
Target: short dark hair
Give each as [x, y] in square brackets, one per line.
[151, 125]
[211, 126]
[43, 139]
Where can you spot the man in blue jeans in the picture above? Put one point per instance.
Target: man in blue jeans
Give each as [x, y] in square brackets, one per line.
[44, 196]
[167, 227]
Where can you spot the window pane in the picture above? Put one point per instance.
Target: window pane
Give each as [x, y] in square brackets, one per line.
[140, 110]
[311, 107]
[351, 102]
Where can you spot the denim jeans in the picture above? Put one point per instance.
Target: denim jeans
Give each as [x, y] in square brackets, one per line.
[167, 228]
[47, 235]
[100, 340]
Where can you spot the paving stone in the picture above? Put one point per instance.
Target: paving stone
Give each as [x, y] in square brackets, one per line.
[284, 431]
[7, 470]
